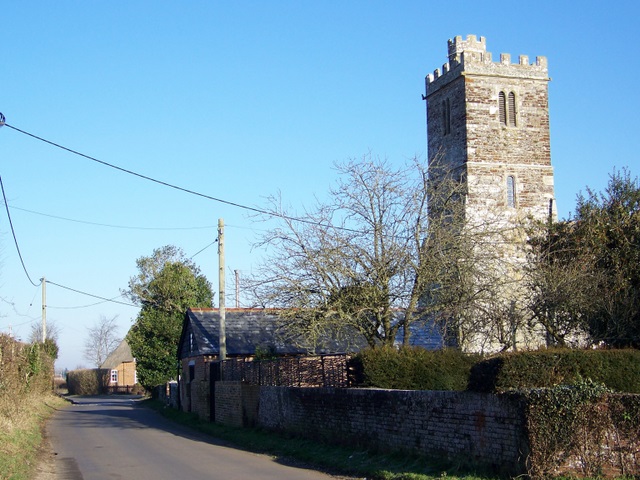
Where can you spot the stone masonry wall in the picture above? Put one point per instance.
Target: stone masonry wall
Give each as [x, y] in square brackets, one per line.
[488, 126]
[481, 428]
[486, 148]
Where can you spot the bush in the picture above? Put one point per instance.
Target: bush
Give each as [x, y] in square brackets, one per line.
[411, 368]
[618, 370]
[87, 381]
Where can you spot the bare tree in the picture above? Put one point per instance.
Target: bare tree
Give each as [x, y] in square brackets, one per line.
[102, 339]
[35, 335]
[374, 259]
[562, 286]
[471, 286]
[339, 270]
[51, 340]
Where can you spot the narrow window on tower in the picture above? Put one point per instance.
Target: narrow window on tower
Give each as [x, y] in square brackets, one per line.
[512, 109]
[502, 108]
[511, 191]
[446, 116]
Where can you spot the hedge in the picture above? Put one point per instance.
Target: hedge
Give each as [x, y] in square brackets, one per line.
[618, 370]
[411, 368]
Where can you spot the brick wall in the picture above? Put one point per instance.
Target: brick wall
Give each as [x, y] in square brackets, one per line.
[472, 428]
[194, 385]
[236, 404]
[480, 428]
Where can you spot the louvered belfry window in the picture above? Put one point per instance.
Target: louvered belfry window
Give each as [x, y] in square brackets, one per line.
[507, 109]
[512, 109]
[502, 108]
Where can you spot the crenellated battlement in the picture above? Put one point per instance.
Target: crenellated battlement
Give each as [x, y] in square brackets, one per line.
[470, 45]
[470, 55]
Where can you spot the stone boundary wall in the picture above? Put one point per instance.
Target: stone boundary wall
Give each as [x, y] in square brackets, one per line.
[482, 429]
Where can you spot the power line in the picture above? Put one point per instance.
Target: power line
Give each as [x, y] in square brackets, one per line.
[91, 295]
[176, 187]
[145, 177]
[15, 240]
[203, 249]
[85, 306]
[127, 227]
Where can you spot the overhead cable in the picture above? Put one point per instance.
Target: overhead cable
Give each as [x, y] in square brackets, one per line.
[176, 187]
[126, 227]
[91, 295]
[15, 240]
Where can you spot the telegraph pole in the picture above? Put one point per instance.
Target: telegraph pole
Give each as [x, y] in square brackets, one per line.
[222, 340]
[44, 308]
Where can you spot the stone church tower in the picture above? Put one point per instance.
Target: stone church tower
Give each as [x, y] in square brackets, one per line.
[491, 120]
[488, 121]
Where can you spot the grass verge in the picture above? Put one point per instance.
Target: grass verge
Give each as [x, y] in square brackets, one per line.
[333, 459]
[21, 433]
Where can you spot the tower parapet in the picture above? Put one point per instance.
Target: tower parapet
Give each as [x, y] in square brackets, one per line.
[471, 45]
[470, 55]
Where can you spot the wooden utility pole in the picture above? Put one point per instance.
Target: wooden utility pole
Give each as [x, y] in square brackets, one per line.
[44, 308]
[222, 340]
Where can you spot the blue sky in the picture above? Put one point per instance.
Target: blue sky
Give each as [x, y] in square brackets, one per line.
[241, 100]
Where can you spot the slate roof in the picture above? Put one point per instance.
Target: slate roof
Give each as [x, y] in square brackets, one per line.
[121, 354]
[250, 328]
[246, 329]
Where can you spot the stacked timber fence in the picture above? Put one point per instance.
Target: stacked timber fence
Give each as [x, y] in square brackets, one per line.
[316, 371]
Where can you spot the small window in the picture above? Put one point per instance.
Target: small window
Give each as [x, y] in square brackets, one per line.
[446, 116]
[192, 370]
[512, 109]
[511, 191]
[191, 342]
[114, 376]
[502, 108]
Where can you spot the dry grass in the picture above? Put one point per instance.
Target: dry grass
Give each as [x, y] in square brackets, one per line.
[21, 433]
[26, 401]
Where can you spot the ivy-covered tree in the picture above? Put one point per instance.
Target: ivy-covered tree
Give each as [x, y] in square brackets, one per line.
[607, 229]
[167, 284]
[584, 273]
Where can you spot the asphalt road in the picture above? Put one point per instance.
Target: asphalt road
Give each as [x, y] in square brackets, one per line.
[114, 438]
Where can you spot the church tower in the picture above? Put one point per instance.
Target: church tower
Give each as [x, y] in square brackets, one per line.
[488, 130]
[490, 121]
